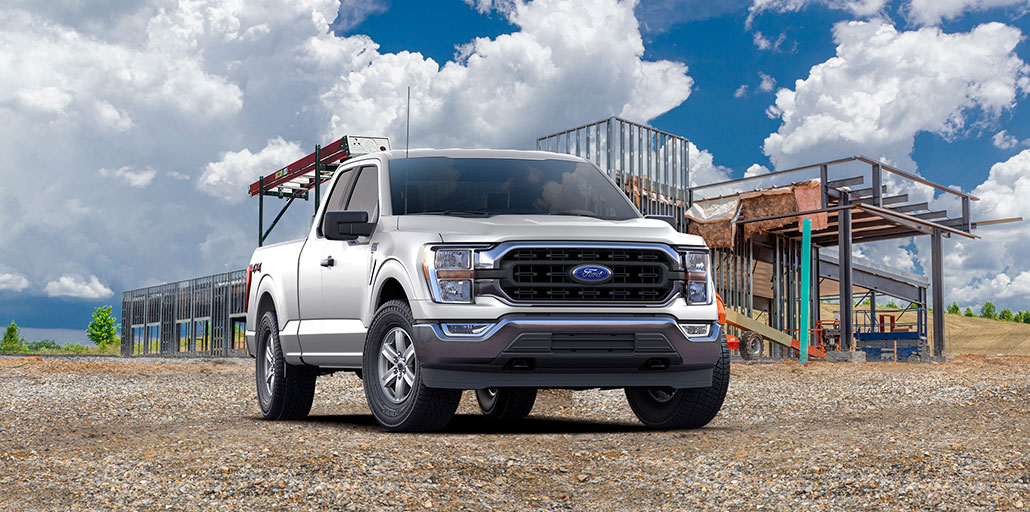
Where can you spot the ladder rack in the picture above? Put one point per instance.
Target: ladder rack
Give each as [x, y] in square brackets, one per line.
[298, 179]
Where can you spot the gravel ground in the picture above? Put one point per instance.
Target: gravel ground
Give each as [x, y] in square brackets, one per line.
[186, 436]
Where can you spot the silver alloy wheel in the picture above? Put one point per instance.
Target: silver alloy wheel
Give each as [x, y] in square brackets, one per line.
[397, 365]
[269, 367]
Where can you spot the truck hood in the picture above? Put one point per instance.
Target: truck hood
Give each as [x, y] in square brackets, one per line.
[503, 228]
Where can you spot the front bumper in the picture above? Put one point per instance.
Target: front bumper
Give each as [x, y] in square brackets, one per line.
[561, 351]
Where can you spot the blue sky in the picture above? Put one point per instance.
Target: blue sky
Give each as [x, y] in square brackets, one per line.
[167, 111]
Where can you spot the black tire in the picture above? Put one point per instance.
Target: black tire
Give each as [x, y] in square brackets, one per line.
[422, 409]
[669, 409]
[506, 403]
[751, 346]
[292, 386]
[913, 358]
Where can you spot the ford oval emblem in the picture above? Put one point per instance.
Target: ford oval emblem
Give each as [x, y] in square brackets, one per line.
[591, 274]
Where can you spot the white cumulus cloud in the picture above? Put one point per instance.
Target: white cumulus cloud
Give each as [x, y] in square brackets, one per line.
[237, 169]
[1002, 140]
[861, 8]
[995, 268]
[13, 282]
[756, 170]
[933, 12]
[77, 287]
[135, 179]
[767, 83]
[566, 65]
[884, 86]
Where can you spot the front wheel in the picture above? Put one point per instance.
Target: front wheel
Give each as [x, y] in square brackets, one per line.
[669, 408]
[392, 376]
[506, 403]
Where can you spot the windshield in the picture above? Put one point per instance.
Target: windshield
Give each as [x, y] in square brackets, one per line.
[503, 186]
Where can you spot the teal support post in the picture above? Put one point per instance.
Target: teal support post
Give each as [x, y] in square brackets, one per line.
[806, 290]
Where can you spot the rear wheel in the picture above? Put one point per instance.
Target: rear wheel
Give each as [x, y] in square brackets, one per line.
[751, 345]
[669, 408]
[506, 403]
[398, 398]
[285, 391]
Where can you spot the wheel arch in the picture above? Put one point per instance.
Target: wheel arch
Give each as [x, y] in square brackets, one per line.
[391, 282]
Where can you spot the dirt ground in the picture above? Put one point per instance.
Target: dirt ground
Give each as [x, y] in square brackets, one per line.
[186, 436]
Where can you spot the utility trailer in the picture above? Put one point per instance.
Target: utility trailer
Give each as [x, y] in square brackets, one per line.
[297, 180]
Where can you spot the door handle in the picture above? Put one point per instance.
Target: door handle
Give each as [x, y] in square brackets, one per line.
[328, 262]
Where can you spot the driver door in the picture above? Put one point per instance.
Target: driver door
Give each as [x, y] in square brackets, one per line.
[345, 268]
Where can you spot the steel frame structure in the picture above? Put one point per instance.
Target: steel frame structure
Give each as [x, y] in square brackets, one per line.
[651, 166]
[200, 317]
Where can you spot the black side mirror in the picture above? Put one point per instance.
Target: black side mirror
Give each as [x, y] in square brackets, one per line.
[667, 218]
[346, 224]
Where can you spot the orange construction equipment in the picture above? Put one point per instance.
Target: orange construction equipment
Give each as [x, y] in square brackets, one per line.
[747, 323]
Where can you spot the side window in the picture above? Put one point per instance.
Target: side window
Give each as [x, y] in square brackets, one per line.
[338, 197]
[341, 191]
[366, 193]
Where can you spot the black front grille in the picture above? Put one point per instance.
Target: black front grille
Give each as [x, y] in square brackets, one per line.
[537, 275]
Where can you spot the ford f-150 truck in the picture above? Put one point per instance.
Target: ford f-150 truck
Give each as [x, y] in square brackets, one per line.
[436, 271]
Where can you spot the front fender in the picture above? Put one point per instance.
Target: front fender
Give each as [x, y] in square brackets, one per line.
[392, 269]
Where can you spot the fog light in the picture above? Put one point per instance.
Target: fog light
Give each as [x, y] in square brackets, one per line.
[697, 292]
[696, 330]
[465, 329]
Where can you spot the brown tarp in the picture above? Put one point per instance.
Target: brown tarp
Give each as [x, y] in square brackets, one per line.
[809, 198]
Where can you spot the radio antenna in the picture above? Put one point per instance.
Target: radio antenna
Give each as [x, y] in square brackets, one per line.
[407, 125]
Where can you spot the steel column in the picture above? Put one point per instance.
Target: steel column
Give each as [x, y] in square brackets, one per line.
[937, 283]
[877, 189]
[847, 306]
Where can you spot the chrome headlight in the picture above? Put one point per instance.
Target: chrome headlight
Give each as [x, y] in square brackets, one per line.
[449, 274]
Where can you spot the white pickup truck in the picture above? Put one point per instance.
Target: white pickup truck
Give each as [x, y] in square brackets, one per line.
[503, 272]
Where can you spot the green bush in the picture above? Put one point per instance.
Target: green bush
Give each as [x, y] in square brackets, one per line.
[953, 309]
[1006, 315]
[988, 310]
[12, 342]
[969, 313]
[37, 346]
[75, 348]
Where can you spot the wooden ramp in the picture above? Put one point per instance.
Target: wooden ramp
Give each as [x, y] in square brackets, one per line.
[744, 322]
